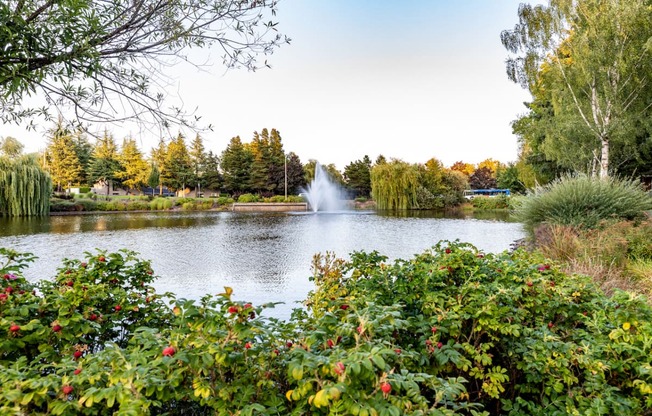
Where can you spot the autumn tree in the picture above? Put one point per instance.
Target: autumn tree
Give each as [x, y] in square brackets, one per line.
[482, 178]
[103, 57]
[592, 61]
[463, 167]
[61, 160]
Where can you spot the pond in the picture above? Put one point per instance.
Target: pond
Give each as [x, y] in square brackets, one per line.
[263, 257]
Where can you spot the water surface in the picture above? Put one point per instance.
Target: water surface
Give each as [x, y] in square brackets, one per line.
[264, 257]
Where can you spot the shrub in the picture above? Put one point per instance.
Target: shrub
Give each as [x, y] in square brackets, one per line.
[84, 189]
[489, 203]
[224, 200]
[246, 198]
[137, 205]
[584, 202]
[87, 204]
[451, 331]
[160, 204]
[62, 205]
[188, 206]
[275, 198]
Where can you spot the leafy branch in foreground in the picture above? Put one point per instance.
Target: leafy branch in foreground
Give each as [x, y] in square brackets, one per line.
[106, 59]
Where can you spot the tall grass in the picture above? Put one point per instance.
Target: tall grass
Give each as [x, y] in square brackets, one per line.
[583, 202]
[615, 255]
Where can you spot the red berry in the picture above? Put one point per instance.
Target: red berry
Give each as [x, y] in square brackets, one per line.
[529, 283]
[14, 328]
[330, 343]
[83, 265]
[447, 251]
[117, 308]
[70, 283]
[360, 329]
[386, 388]
[433, 329]
[339, 368]
[77, 354]
[9, 289]
[101, 258]
[233, 309]
[288, 344]
[67, 389]
[550, 324]
[92, 317]
[428, 342]
[77, 371]
[169, 351]
[56, 328]
[344, 307]
[439, 345]
[3, 296]
[397, 351]
[248, 345]
[247, 306]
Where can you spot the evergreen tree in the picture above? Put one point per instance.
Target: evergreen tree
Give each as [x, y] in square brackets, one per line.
[236, 162]
[104, 164]
[295, 174]
[178, 166]
[154, 177]
[159, 158]
[134, 172]
[212, 178]
[357, 176]
[84, 151]
[198, 161]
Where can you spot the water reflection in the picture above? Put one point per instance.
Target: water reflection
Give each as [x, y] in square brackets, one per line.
[264, 257]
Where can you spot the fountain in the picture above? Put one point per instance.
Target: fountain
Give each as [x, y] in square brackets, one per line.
[323, 194]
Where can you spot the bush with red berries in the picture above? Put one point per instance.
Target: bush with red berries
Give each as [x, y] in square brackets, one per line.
[451, 331]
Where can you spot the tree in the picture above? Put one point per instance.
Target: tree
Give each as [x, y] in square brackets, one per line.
[509, 178]
[295, 174]
[394, 185]
[197, 155]
[236, 163]
[482, 178]
[154, 177]
[11, 147]
[465, 168]
[493, 165]
[84, 151]
[178, 167]
[212, 178]
[104, 164]
[135, 171]
[593, 60]
[159, 158]
[104, 57]
[25, 188]
[357, 177]
[61, 160]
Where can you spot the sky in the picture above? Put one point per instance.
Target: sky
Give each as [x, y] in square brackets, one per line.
[411, 80]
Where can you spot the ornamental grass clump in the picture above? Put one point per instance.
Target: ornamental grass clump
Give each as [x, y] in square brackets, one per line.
[584, 202]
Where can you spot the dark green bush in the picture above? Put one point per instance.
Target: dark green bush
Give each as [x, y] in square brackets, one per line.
[87, 204]
[63, 205]
[584, 202]
[224, 200]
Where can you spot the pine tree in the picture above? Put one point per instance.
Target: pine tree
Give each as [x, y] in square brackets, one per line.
[61, 159]
[134, 172]
[104, 164]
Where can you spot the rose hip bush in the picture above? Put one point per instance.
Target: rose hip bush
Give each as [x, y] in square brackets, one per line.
[452, 331]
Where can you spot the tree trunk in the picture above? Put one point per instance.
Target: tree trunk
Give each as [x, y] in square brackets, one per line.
[604, 157]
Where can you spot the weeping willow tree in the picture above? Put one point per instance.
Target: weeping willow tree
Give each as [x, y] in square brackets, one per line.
[25, 188]
[394, 185]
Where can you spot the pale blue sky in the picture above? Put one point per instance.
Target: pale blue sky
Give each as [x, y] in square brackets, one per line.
[411, 79]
